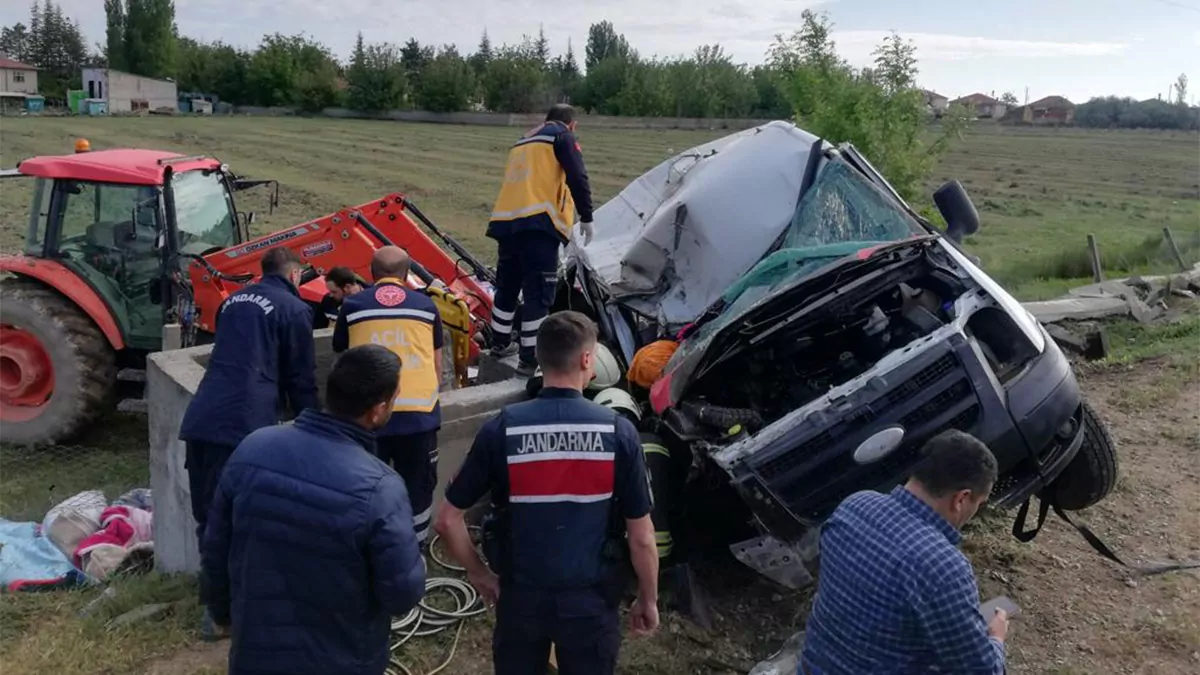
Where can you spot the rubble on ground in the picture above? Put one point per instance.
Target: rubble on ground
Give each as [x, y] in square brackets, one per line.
[1139, 297]
[1142, 298]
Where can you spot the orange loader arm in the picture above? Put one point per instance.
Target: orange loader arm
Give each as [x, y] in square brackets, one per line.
[347, 238]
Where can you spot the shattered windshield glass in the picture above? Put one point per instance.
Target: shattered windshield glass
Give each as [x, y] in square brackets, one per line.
[842, 213]
[843, 206]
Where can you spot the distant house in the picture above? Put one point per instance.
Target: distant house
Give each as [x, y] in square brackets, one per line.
[17, 77]
[936, 103]
[126, 92]
[1052, 109]
[985, 106]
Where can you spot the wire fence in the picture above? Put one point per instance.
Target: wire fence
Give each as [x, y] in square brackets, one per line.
[113, 457]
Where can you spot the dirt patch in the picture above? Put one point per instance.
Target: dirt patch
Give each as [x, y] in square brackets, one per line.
[1082, 613]
[199, 659]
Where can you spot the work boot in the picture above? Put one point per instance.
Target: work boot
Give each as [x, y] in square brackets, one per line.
[526, 369]
[209, 630]
[505, 351]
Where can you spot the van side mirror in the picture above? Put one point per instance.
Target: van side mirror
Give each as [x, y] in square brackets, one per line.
[955, 206]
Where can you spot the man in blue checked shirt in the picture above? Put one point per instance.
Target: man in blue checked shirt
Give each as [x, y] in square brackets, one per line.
[895, 595]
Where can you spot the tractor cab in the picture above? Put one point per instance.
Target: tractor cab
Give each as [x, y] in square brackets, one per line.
[127, 223]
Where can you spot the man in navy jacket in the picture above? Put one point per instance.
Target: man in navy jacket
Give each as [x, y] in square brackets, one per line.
[264, 355]
[310, 548]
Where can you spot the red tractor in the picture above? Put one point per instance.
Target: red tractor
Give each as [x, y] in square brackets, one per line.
[123, 242]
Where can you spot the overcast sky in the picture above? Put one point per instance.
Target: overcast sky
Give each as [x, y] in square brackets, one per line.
[1075, 48]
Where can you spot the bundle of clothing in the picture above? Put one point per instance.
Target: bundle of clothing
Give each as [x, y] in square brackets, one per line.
[83, 539]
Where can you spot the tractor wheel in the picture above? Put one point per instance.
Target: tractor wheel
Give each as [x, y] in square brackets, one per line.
[1093, 473]
[57, 371]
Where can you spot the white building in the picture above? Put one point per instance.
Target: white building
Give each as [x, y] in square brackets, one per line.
[125, 92]
[17, 77]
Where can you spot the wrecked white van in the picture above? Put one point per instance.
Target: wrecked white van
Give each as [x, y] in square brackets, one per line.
[828, 332]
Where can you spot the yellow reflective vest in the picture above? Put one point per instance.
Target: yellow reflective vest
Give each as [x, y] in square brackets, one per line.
[407, 322]
[535, 194]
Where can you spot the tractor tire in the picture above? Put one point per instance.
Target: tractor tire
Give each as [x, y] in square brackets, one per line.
[1092, 475]
[83, 371]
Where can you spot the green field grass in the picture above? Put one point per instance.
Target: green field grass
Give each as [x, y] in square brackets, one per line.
[1039, 191]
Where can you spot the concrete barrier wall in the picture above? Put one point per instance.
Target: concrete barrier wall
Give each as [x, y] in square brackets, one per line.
[522, 120]
[172, 378]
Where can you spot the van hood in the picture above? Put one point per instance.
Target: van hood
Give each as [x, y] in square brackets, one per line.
[718, 207]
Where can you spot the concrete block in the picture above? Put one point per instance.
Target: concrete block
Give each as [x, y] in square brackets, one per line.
[1077, 309]
[171, 381]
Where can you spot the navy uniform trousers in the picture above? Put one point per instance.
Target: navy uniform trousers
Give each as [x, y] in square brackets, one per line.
[415, 458]
[584, 626]
[527, 264]
[204, 463]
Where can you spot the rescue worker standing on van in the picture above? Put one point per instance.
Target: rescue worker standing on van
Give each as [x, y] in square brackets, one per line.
[407, 323]
[263, 353]
[567, 483]
[545, 184]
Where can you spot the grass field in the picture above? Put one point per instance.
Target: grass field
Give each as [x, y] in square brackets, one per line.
[1039, 191]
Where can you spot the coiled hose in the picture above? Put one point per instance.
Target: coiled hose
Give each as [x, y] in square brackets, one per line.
[425, 620]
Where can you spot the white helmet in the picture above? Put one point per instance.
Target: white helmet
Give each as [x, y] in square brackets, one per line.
[608, 370]
[619, 400]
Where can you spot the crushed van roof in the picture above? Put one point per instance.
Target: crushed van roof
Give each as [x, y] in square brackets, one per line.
[128, 166]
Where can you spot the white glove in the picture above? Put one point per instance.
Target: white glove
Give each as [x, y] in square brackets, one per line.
[587, 230]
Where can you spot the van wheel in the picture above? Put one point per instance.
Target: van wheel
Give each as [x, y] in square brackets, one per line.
[1092, 475]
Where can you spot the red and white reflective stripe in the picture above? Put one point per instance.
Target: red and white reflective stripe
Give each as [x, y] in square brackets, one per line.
[533, 479]
[565, 454]
[551, 499]
[561, 429]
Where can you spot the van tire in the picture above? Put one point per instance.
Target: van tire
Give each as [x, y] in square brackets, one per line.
[1092, 475]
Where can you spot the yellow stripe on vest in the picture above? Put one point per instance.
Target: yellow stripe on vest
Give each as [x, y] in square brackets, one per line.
[655, 449]
[411, 339]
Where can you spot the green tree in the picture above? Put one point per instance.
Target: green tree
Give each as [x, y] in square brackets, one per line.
[37, 38]
[1009, 99]
[293, 70]
[447, 83]
[14, 41]
[565, 78]
[514, 81]
[149, 36]
[1181, 89]
[604, 42]
[213, 68]
[482, 56]
[646, 91]
[603, 83]
[376, 78]
[114, 34]
[53, 43]
[879, 110]
[541, 47]
[415, 57]
[770, 99]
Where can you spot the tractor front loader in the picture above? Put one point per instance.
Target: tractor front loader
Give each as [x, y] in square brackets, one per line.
[121, 242]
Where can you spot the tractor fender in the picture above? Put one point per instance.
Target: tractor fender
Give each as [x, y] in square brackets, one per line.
[57, 276]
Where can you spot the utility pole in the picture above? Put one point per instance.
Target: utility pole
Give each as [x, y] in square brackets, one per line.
[1026, 94]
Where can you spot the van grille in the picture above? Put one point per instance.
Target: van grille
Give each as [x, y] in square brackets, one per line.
[813, 476]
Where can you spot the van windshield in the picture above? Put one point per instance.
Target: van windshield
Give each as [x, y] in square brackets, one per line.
[841, 214]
